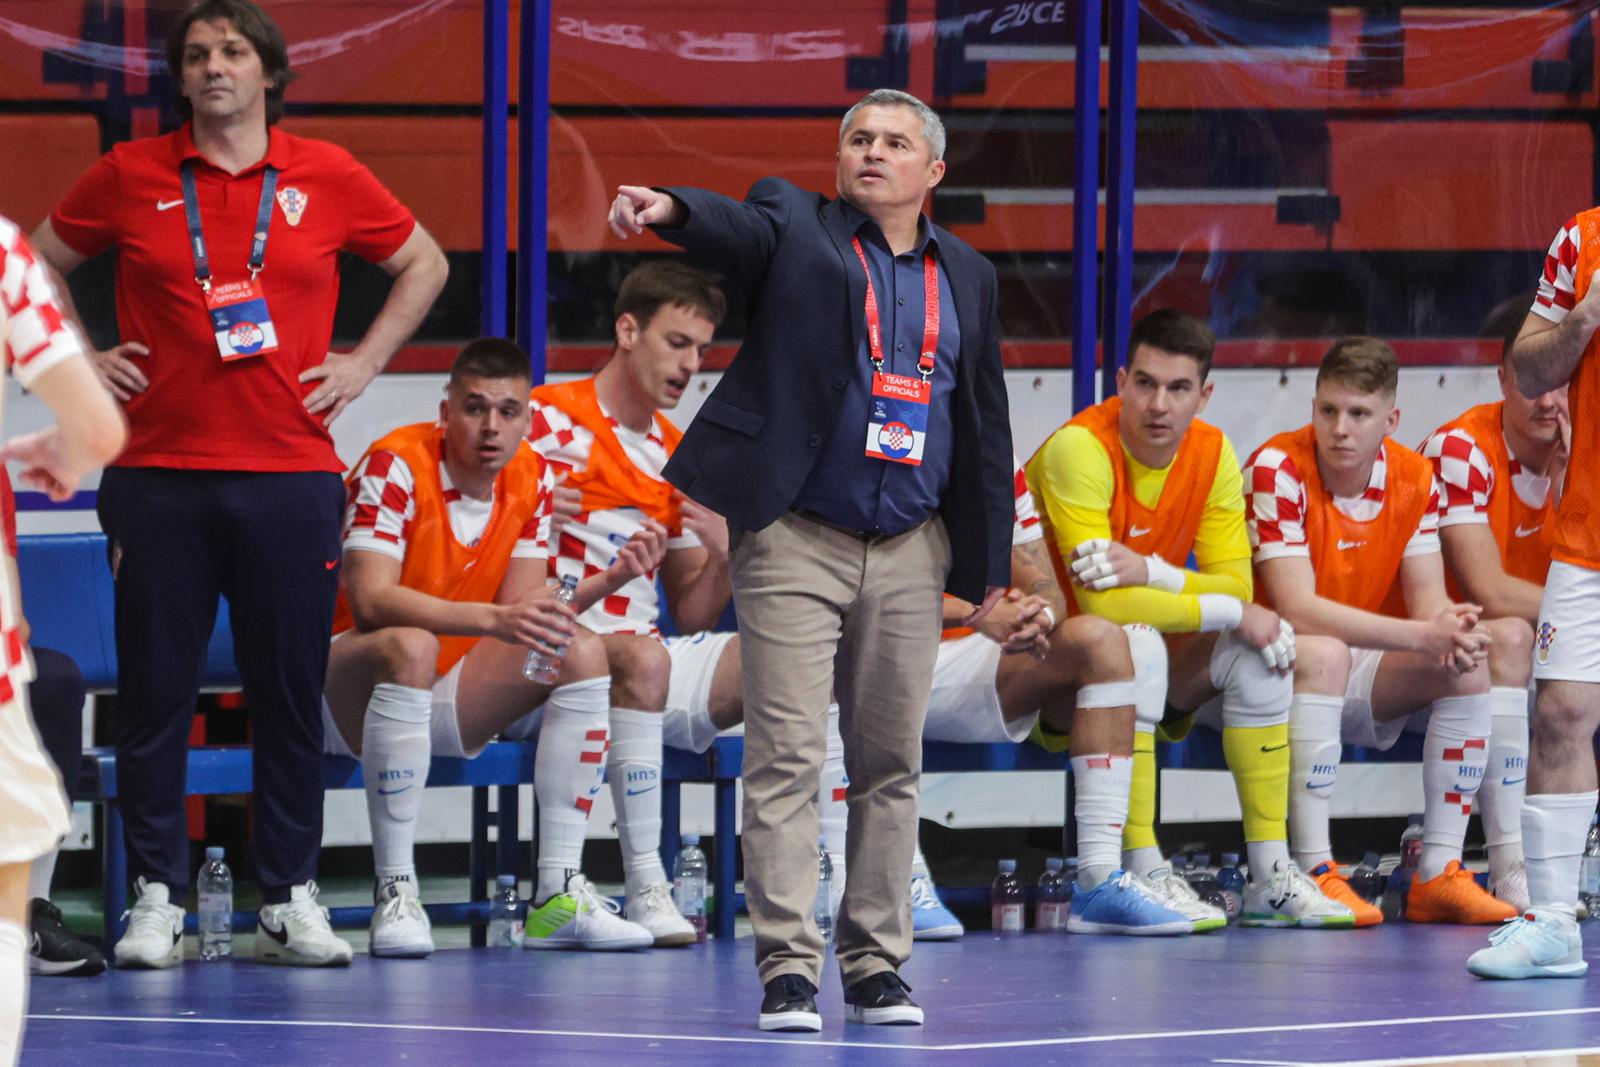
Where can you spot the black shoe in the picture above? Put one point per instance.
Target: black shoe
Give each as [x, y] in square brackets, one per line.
[790, 1004]
[57, 950]
[881, 1000]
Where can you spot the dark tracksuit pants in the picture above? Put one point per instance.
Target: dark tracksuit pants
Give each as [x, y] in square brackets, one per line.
[269, 542]
[56, 699]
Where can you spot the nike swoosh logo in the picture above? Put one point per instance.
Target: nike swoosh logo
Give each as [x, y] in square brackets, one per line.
[1514, 781]
[391, 792]
[640, 792]
[330, 564]
[1318, 785]
[280, 936]
[1275, 748]
[1350, 544]
[1138, 531]
[167, 205]
[1530, 531]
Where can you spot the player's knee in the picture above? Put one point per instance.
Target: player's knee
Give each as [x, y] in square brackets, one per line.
[585, 656]
[1093, 650]
[408, 656]
[641, 669]
[1148, 651]
[1321, 664]
[1511, 655]
[1253, 694]
[1563, 714]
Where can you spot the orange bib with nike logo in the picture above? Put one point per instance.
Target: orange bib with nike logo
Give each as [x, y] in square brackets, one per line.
[1577, 532]
[1522, 532]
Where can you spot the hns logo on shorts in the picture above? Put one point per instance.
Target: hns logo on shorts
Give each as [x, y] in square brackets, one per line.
[1544, 640]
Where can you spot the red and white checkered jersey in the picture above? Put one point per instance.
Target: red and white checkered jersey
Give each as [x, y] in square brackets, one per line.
[588, 544]
[1278, 506]
[1558, 284]
[1466, 478]
[1026, 527]
[37, 337]
[384, 505]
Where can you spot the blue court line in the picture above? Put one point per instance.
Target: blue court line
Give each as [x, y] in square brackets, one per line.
[28, 500]
[976, 1046]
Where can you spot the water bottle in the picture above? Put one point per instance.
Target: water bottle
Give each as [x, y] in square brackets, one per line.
[1394, 896]
[822, 910]
[216, 907]
[1203, 880]
[689, 885]
[507, 913]
[545, 667]
[1230, 883]
[1589, 878]
[1365, 879]
[1069, 878]
[1005, 901]
[1050, 904]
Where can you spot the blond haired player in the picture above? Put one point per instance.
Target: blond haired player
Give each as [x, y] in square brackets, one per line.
[1345, 525]
[48, 357]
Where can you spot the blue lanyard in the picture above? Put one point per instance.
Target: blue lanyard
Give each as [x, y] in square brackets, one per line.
[197, 236]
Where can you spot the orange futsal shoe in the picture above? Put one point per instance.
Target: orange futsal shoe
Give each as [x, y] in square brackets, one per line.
[1336, 887]
[1454, 896]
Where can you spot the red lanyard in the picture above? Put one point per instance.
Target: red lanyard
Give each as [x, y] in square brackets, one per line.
[930, 314]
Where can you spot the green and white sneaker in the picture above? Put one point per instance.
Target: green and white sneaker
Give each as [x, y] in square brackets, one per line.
[581, 918]
[1176, 894]
[1291, 898]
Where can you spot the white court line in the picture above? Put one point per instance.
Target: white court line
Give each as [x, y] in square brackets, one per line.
[977, 1046]
[1475, 1057]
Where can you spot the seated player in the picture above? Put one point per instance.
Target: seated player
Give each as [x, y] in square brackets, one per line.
[443, 595]
[1129, 490]
[1496, 465]
[991, 685]
[1345, 526]
[606, 436]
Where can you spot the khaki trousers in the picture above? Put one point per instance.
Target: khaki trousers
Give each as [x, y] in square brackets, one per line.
[821, 608]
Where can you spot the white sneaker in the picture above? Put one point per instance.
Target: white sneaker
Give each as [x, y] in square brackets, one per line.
[297, 933]
[1176, 894]
[1513, 889]
[581, 918]
[1291, 898]
[400, 928]
[155, 929]
[653, 909]
[1538, 944]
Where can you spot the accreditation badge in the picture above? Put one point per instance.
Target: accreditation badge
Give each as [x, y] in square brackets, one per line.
[897, 428]
[240, 320]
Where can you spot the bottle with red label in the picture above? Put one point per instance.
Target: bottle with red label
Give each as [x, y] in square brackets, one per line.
[1005, 901]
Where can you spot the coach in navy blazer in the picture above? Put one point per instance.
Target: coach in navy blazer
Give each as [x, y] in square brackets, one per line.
[841, 549]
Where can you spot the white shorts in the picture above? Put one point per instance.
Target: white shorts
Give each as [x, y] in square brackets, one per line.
[444, 730]
[964, 704]
[694, 660]
[33, 807]
[1566, 644]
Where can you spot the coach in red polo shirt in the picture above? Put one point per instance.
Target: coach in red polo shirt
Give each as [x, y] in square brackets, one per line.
[228, 234]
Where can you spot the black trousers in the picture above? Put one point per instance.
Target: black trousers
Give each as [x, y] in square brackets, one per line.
[56, 700]
[268, 542]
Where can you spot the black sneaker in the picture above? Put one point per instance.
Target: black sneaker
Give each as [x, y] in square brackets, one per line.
[57, 950]
[881, 1000]
[790, 1004]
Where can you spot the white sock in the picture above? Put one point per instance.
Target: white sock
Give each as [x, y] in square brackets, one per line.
[1554, 826]
[1314, 720]
[41, 874]
[568, 770]
[1142, 861]
[1454, 753]
[13, 988]
[833, 814]
[1505, 780]
[395, 750]
[1100, 786]
[633, 767]
[1264, 857]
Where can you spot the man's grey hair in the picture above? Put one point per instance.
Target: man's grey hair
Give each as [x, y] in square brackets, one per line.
[932, 127]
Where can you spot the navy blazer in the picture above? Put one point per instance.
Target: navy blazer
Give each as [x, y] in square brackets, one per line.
[752, 446]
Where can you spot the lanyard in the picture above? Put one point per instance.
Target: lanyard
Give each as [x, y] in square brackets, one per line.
[197, 237]
[930, 314]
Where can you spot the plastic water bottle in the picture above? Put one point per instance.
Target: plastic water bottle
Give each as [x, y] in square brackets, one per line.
[1069, 879]
[1005, 901]
[507, 913]
[1203, 880]
[545, 667]
[215, 886]
[1365, 879]
[1394, 896]
[1589, 877]
[1050, 904]
[822, 910]
[1230, 882]
[689, 885]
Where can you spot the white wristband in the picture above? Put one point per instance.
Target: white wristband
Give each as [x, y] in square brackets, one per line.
[1219, 611]
[1163, 575]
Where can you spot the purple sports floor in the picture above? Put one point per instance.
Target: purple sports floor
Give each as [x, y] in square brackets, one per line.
[1238, 996]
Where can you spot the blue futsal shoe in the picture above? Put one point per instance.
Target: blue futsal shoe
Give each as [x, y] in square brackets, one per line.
[930, 919]
[1123, 904]
[1538, 944]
